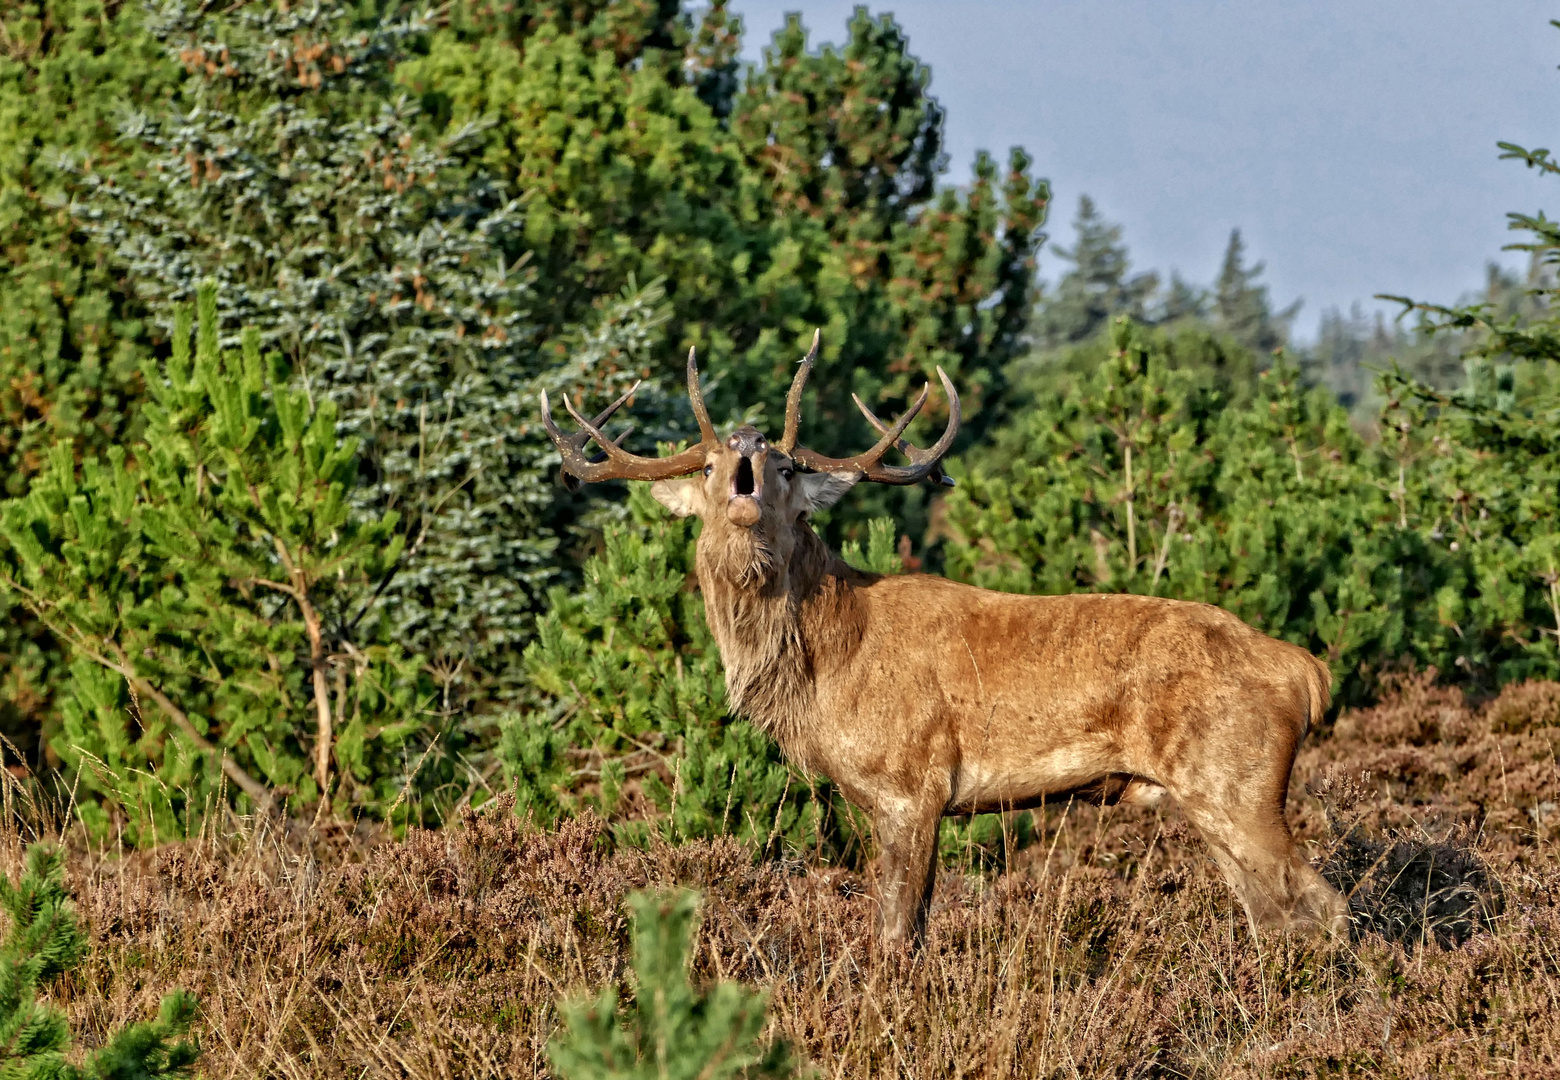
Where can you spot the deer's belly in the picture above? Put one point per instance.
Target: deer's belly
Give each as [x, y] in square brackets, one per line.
[1090, 772]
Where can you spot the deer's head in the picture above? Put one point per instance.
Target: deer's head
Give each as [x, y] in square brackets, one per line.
[751, 492]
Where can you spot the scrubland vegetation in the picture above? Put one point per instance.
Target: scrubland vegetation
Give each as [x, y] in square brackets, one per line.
[1108, 947]
[358, 727]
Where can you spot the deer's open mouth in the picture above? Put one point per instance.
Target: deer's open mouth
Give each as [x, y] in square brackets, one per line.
[746, 486]
[743, 483]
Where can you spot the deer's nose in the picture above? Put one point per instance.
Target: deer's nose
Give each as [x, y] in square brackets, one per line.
[747, 442]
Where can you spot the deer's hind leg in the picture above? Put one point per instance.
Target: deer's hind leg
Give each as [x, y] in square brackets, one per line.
[1257, 855]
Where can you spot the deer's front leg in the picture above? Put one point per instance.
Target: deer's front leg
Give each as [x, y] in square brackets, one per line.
[906, 833]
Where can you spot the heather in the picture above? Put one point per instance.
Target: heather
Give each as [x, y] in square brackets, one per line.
[1107, 948]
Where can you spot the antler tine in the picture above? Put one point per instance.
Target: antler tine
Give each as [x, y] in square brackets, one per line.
[865, 462]
[793, 399]
[601, 418]
[617, 463]
[707, 434]
[925, 463]
[606, 414]
[917, 456]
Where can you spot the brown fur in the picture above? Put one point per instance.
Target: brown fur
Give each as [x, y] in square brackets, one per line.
[921, 697]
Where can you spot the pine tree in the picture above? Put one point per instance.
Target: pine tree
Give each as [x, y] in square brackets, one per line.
[1338, 356]
[213, 588]
[803, 195]
[1240, 305]
[1210, 363]
[671, 1032]
[1183, 301]
[388, 269]
[42, 942]
[1097, 287]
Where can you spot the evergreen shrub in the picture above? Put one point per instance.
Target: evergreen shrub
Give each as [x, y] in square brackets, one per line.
[390, 271]
[213, 588]
[672, 1031]
[43, 942]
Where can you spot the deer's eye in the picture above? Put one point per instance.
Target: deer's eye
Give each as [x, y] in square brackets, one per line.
[787, 473]
[708, 469]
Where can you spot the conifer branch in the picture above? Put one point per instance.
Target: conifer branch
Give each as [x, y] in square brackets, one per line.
[257, 791]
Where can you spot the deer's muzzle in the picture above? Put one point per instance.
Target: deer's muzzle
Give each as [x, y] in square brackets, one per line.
[747, 480]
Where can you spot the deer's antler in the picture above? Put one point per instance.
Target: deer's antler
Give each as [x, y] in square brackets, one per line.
[615, 463]
[924, 464]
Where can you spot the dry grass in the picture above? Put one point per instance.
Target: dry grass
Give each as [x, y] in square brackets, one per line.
[1109, 947]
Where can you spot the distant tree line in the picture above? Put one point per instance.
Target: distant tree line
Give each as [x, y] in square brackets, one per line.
[1350, 349]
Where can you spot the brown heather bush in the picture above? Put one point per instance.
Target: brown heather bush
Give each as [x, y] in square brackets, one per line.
[1108, 948]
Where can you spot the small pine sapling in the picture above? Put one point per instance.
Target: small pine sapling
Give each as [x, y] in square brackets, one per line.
[43, 941]
[215, 590]
[672, 1031]
[880, 556]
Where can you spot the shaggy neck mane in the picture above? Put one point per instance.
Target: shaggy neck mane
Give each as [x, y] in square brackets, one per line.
[776, 619]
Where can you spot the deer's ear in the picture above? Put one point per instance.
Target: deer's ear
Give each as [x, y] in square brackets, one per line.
[823, 489]
[682, 496]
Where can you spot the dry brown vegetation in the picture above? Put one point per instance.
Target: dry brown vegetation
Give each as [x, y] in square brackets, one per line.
[1109, 947]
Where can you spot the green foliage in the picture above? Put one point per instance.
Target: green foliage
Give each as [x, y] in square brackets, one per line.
[1097, 287]
[1240, 305]
[1204, 360]
[212, 585]
[672, 1031]
[983, 841]
[802, 195]
[69, 343]
[43, 941]
[632, 719]
[388, 269]
[881, 555]
[1486, 456]
[1147, 478]
[374, 236]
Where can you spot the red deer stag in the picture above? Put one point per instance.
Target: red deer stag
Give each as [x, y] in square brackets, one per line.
[921, 697]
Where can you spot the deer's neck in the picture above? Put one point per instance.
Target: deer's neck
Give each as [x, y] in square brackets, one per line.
[780, 619]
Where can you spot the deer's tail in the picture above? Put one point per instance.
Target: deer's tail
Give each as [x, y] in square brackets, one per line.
[1318, 680]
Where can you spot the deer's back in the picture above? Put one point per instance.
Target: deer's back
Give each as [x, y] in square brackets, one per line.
[1103, 682]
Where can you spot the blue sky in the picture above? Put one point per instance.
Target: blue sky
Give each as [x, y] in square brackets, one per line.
[1353, 143]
